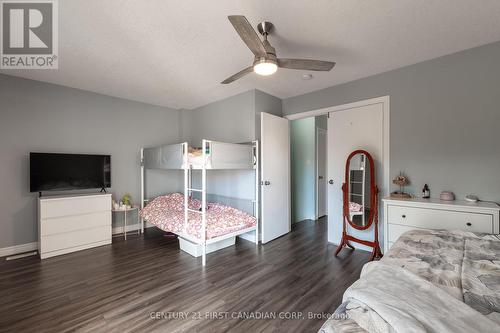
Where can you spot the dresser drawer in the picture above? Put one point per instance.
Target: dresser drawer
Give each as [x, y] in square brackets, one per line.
[438, 219]
[81, 238]
[60, 225]
[51, 208]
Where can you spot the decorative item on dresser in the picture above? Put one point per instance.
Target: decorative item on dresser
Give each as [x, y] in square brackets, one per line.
[447, 196]
[360, 201]
[72, 223]
[401, 181]
[426, 192]
[401, 215]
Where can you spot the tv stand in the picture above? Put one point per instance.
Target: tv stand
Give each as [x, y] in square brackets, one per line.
[103, 190]
[72, 223]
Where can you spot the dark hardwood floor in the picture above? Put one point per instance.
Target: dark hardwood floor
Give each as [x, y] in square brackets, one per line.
[134, 286]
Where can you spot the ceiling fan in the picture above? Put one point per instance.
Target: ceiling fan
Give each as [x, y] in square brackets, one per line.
[266, 62]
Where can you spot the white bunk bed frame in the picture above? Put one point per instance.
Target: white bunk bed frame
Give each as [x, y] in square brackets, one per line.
[215, 156]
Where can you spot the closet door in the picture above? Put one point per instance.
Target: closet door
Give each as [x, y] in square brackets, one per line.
[350, 129]
[275, 184]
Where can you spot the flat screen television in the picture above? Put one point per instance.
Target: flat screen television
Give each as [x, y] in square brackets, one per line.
[60, 172]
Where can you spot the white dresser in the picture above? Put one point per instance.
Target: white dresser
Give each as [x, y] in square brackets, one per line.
[72, 223]
[401, 215]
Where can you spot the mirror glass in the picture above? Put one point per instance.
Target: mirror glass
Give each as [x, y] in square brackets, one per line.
[359, 191]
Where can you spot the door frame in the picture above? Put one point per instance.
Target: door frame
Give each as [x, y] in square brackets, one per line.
[385, 101]
[318, 130]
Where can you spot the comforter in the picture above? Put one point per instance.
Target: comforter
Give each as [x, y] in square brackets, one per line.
[430, 281]
[167, 213]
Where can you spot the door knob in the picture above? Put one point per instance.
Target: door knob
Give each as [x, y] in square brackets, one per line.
[330, 182]
[267, 182]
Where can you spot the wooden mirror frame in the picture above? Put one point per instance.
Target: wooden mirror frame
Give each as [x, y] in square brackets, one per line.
[373, 217]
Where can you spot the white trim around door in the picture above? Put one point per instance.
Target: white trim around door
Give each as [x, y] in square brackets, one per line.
[321, 131]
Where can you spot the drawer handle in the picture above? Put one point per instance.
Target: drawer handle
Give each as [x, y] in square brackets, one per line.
[403, 216]
[468, 224]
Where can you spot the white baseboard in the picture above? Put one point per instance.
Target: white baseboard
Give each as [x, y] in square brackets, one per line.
[16, 249]
[131, 227]
[305, 219]
[21, 248]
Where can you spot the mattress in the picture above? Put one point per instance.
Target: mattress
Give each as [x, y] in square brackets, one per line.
[167, 213]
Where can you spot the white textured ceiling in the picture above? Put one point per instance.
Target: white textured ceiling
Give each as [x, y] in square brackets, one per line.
[175, 53]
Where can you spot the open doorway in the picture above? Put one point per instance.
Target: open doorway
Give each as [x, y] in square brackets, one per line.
[308, 141]
[358, 125]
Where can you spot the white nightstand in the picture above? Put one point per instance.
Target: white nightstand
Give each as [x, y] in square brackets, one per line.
[126, 212]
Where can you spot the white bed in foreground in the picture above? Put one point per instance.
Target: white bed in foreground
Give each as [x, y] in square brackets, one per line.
[430, 281]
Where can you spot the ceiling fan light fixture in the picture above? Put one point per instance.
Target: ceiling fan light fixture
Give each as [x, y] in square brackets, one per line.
[265, 67]
[265, 62]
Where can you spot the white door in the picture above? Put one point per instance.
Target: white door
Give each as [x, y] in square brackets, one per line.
[321, 155]
[275, 173]
[348, 130]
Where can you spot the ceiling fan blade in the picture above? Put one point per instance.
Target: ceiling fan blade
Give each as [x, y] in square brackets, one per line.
[306, 64]
[248, 34]
[238, 75]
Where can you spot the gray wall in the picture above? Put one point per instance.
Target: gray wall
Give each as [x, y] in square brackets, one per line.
[235, 119]
[444, 129]
[303, 168]
[36, 116]
[228, 120]
[445, 116]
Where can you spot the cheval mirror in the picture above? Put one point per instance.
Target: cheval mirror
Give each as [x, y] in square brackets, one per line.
[360, 201]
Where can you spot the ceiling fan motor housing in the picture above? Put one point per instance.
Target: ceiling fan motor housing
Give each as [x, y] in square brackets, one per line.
[265, 28]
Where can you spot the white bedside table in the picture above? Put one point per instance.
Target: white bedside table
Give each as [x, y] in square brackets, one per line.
[125, 213]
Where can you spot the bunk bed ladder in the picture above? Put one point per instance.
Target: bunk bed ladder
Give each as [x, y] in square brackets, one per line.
[142, 188]
[257, 186]
[205, 147]
[187, 178]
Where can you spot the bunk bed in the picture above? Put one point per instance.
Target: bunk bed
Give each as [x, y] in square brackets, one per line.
[202, 227]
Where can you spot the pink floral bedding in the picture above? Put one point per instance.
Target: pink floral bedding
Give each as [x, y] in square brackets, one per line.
[355, 207]
[167, 213]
